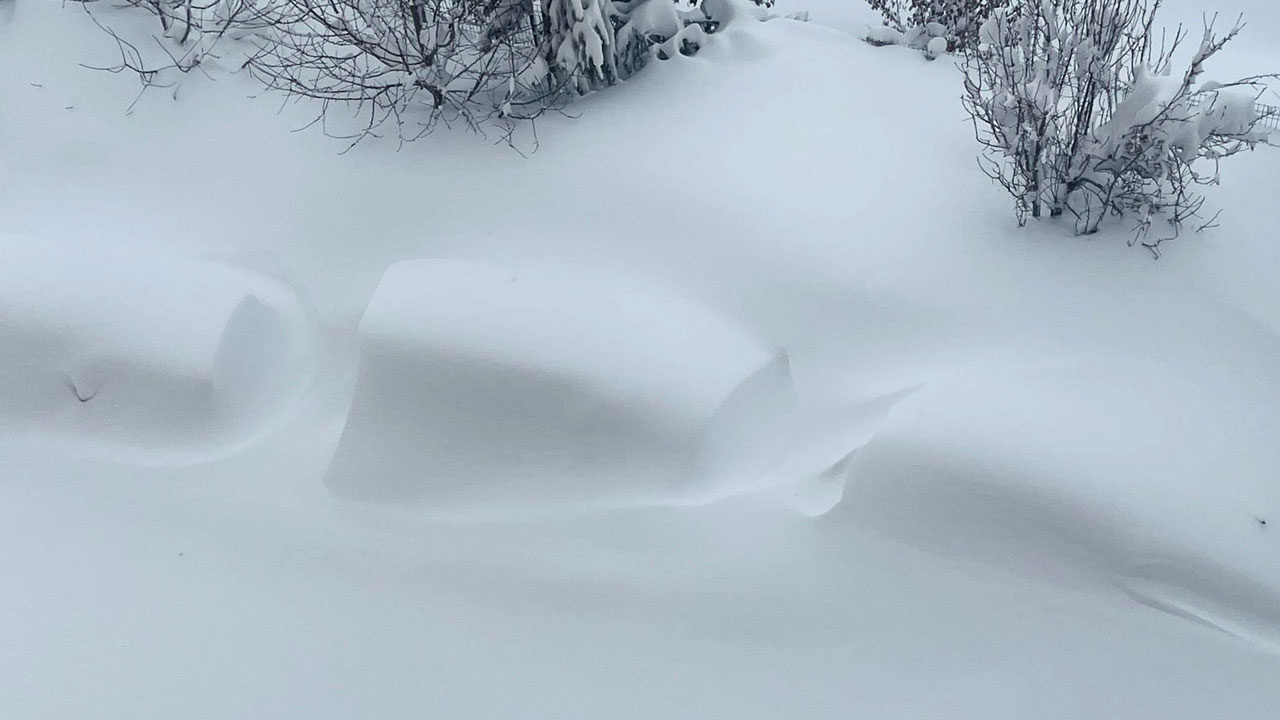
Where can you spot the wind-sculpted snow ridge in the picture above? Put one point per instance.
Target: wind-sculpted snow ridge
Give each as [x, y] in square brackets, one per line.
[142, 351]
[1090, 470]
[481, 387]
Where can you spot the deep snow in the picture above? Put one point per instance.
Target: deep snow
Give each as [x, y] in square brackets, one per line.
[506, 389]
[1026, 474]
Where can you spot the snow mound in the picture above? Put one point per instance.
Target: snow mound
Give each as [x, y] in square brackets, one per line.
[1164, 484]
[480, 387]
[138, 349]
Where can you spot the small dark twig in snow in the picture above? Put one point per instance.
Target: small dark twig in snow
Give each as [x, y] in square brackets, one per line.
[76, 391]
[1211, 223]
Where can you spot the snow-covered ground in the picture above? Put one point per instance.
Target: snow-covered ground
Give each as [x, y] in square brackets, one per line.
[926, 464]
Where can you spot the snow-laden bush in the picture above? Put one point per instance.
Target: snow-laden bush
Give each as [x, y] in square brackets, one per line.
[589, 44]
[581, 43]
[1081, 114]
[411, 63]
[933, 26]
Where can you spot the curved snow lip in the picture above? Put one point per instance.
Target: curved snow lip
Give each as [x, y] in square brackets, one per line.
[747, 431]
[1101, 472]
[828, 431]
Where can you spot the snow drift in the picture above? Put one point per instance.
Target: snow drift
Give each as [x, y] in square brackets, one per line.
[480, 386]
[1093, 466]
[863, 242]
[142, 349]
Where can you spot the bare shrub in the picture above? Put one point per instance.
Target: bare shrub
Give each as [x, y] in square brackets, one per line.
[410, 64]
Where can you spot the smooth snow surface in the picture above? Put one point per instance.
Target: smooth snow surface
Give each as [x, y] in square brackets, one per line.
[491, 387]
[1025, 476]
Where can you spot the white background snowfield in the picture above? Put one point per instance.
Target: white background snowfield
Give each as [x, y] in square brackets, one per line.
[742, 397]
